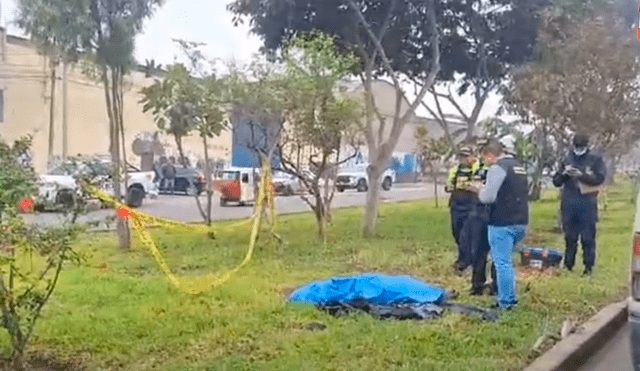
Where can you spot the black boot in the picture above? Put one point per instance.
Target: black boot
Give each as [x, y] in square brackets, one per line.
[492, 288]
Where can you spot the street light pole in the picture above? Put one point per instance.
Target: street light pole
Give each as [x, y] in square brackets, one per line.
[65, 133]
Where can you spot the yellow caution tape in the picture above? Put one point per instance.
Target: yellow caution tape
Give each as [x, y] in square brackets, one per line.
[151, 220]
[199, 284]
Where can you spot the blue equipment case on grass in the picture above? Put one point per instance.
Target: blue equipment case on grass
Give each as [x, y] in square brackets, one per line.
[542, 258]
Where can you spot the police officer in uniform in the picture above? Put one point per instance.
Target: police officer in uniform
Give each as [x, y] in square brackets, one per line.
[461, 202]
[475, 232]
[580, 207]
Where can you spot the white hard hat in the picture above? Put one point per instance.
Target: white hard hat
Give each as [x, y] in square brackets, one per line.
[508, 145]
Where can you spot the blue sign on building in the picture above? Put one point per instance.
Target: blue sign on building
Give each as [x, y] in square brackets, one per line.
[404, 163]
[247, 138]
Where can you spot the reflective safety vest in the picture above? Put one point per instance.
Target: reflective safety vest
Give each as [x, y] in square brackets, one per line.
[460, 176]
[480, 170]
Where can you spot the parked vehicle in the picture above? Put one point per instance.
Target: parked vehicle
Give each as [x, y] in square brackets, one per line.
[60, 189]
[140, 185]
[189, 181]
[237, 185]
[357, 178]
[56, 190]
[634, 299]
[285, 184]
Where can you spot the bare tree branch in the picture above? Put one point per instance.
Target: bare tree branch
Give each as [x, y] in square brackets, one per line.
[377, 42]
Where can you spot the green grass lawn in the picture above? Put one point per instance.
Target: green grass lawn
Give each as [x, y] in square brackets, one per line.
[129, 317]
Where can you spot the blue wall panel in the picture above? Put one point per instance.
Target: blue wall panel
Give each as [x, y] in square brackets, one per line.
[247, 135]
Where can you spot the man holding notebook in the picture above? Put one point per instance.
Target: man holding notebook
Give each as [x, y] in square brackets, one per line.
[580, 175]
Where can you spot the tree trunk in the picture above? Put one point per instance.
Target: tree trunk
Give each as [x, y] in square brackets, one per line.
[119, 89]
[183, 159]
[435, 189]
[207, 175]
[52, 109]
[320, 218]
[371, 206]
[611, 164]
[18, 357]
[122, 229]
[65, 111]
[124, 236]
[434, 176]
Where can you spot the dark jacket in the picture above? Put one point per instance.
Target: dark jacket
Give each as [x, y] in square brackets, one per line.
[169, 171]
[571, 190]
[511, 206]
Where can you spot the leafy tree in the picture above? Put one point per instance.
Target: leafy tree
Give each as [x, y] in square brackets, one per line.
[392, 38]
[171, 103]
[299, 116]
[430, 152]
[406, 40]
[103, 31]
[257, 101]
[25, 287]
[16, 180]
[492, 38]
[183, 103]
[150, 68]
[584, 78]
[317, 118]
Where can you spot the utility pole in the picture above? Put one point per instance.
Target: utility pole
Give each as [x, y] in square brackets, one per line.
[53, 63]
[65, 133]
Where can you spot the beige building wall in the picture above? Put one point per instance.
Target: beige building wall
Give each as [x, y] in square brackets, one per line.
[25, 82]
[385, 99]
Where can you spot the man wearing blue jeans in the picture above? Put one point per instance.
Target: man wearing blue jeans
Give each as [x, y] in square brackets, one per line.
[506, 192]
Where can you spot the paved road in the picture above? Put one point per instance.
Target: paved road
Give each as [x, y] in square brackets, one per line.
[184, 209]
[614, 356]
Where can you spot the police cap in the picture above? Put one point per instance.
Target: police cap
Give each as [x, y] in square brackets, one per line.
[465, 151]
[581, 140]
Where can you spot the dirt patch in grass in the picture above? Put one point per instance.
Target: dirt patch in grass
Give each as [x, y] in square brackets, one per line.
[528, 274]
[42, 362]
[285, 291]
[537, 238]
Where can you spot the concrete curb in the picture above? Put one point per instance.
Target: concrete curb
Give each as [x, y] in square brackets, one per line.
[575, 349]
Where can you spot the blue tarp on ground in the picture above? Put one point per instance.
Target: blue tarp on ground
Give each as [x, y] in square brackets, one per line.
[378, 289]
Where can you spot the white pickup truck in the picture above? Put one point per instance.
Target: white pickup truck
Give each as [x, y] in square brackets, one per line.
[141, 184]
[59, 188]
[357, 178]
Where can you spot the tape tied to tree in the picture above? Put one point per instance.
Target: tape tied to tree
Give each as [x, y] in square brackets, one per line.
[196, 285]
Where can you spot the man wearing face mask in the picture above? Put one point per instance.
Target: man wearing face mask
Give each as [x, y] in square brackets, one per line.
[578, 176]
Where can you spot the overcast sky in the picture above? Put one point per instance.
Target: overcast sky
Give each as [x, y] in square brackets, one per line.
[205, 21]
[209, 22]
